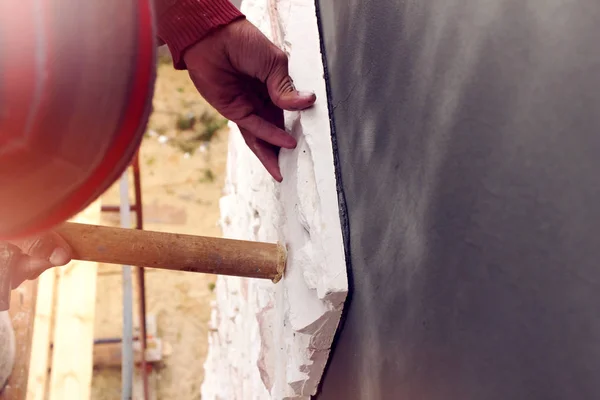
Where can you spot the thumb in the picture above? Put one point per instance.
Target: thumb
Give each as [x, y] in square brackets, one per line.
[49, 246]
[281, 88]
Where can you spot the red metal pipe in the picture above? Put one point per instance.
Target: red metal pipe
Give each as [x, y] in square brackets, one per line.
[132, 207]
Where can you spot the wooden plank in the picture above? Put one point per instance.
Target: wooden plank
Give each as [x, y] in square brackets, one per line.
[72, 363]
[42, 337]
[22, 312]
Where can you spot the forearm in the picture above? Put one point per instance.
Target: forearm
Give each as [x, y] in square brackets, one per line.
[160, 6]
[183, 23]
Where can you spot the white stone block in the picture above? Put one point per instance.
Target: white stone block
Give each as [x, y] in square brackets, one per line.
[273, 340]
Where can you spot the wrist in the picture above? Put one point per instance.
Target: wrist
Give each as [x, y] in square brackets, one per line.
[183, 23]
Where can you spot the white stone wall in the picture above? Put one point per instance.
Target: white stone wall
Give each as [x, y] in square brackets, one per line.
[272, 340]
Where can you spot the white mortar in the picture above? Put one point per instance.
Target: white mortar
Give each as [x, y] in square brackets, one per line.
[273, 341]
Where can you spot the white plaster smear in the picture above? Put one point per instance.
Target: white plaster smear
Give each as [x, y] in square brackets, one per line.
[273, 341]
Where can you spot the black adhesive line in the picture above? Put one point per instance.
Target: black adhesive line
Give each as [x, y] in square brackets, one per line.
[343, 208]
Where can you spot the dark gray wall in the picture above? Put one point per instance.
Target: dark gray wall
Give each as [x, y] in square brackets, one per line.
[468, 136]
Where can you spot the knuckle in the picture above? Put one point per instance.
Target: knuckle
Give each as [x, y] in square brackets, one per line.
[279, 63]
[34, 245]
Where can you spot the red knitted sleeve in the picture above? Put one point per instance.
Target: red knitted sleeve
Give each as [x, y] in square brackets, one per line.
[183, 23]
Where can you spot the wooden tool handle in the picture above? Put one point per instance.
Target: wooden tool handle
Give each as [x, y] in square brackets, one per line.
[174, 251]
[166, 251]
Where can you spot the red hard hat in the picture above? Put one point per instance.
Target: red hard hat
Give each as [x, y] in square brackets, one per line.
[76, 82]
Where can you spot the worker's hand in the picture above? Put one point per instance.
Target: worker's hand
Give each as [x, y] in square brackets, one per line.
[28, 258]
[245, 77]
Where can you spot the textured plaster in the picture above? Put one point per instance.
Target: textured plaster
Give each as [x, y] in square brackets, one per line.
[273, 341]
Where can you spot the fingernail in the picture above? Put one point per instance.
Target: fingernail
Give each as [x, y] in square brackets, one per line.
[306, 94]
[59, 257]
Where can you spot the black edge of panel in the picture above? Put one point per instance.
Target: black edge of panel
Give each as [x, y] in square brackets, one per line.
[343, 208]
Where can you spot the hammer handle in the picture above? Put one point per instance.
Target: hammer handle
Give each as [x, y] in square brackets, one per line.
[174, 251]
[171, 251]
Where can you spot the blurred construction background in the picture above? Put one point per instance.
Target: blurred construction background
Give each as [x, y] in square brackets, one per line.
[182, 164]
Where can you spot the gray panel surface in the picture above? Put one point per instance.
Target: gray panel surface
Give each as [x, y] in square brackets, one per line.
[469, 146]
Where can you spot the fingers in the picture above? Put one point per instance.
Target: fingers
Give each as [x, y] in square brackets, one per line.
[267, 154]
[28, 258]
[281, 87]
[265, 130]
[16, 267]
[50, 247]
[27, 268]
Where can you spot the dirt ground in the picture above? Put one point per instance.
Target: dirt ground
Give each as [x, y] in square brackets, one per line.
[182, 159]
